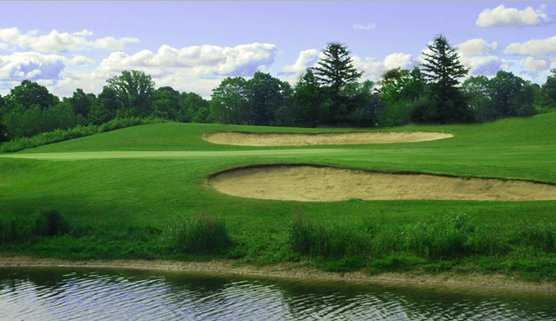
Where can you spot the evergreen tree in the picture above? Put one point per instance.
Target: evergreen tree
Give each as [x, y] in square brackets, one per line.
[443, 70]
[549, 88]
[334, 71]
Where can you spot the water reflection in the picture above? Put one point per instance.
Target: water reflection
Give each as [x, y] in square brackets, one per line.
[54, 294]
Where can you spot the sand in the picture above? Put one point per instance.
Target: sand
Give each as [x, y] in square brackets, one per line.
[471, 283]
[253, 139]
[323, 184]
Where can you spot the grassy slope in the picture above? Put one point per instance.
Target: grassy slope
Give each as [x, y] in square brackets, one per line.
[123, 198]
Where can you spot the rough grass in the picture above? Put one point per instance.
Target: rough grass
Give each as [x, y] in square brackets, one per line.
[126, 204]
[201, 235]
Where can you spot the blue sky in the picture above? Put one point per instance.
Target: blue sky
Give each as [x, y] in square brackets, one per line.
[193, 45]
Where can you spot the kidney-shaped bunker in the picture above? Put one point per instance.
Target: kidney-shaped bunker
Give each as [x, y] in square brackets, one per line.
[320, 184]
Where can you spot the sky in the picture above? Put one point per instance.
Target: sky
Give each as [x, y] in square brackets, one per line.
[192, 46]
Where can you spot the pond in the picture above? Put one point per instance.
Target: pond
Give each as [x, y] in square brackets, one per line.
[65, 294]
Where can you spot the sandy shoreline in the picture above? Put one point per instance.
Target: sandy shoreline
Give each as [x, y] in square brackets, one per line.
[477, 283]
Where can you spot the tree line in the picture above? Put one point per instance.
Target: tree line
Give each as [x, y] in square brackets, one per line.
[330, 94]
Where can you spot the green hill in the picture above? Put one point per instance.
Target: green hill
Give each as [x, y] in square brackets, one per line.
[126, 187]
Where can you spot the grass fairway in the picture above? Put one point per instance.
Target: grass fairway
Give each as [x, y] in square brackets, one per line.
[125, 188]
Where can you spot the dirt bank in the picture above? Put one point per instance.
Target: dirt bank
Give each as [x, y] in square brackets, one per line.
[253, 139]
[299, 271]
[318, 184]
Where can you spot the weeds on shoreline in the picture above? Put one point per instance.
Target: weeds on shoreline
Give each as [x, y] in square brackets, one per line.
[46, 223]
[203, 235]
[446, 238]
[447, 243]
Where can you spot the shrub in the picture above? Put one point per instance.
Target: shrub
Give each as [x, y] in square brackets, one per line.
[59, 135]
[313, 239]
[50, 223]
[443, 239]
[539, 236]
[14, 230]
[204, 234]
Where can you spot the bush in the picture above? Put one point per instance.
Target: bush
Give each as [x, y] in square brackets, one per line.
[204, 234]
[445, 238]
[50, 223]
[312, 239]
[14, 230]
[540, 236]
[59, 135]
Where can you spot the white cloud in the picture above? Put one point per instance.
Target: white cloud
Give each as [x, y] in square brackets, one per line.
[31, 65]
[533, 65]
[305, 59]
[483, 65]
[56, 41]
[196, 68]
[364, 27]
[502, 16]
[534, 47]
[397, 60]
[476, 47]
[80, 60]
[197, 60]
[477, 55]
[374, 68]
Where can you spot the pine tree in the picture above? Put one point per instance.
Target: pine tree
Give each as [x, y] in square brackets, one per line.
[336, 68]
[443, 70]
[442, 65]
[334, 71]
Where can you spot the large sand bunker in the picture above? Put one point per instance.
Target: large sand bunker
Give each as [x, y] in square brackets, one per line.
[259, 139]
[311, 183]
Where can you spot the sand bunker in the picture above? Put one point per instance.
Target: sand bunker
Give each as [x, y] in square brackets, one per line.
[316, 184]
[253, 139]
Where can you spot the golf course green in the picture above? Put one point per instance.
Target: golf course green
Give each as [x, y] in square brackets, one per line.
[125, 190]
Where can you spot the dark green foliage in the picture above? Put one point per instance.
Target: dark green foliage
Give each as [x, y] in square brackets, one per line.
[254, 101]
[105, 107]
[336, 68]
[81, 103]
[306, 104]
[265, 95]
[445, 238]
[542, 237]
[442, 65]
[202, 235]
[135, 91]
[27, 122]
[193, 108]
[229, 101]
[50, 223]
[15, 230]
[59, 135]
[362, 106]
[335, 71]
[549, 88]
[166, 103]
[443, 70]
[309, 238]
[3, 133]
[504, 95]
[511, 95]
[402, 85]
[28, 94]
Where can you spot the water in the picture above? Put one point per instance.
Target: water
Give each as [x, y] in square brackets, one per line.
[58, 294]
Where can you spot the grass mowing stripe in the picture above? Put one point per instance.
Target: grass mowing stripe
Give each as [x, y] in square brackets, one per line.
[172, 154]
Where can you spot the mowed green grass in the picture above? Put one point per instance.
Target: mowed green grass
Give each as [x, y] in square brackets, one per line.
[130, 184]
